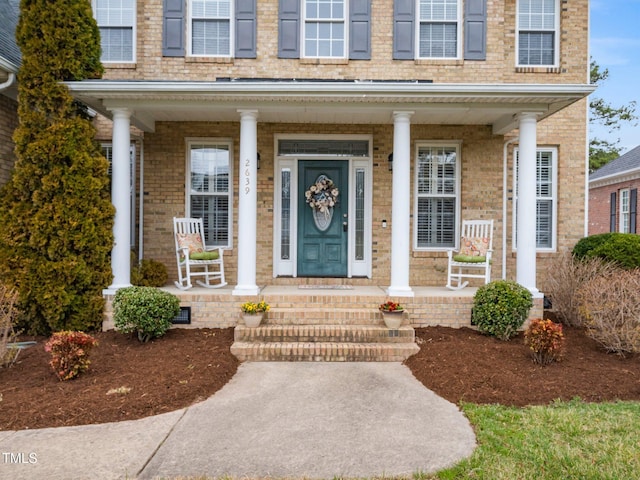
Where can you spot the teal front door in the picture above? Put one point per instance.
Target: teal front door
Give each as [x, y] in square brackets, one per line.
[322, 218]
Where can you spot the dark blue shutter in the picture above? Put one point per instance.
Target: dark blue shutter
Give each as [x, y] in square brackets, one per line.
[289, 29]
[360, 30]
[403, 29]
[173, 28]
[246, 29]
[612, 213]
[475, 30]
[633, 209]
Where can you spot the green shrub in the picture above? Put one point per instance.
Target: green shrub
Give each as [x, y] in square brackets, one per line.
[545, 340]
[500, 308]
[149, 273]
[585, 245]
[69, 353]
[146, 311]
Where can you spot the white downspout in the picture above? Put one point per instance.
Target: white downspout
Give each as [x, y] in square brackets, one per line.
[141, 201]
[8, 82]
[504, 203]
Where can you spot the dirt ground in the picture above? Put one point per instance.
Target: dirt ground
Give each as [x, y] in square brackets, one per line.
[187, 366]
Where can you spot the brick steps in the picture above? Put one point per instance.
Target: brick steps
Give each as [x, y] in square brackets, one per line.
[324, 333]
[325, 315]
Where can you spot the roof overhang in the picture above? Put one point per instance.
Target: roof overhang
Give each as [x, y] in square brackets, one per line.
[339, 102]
[626, 176]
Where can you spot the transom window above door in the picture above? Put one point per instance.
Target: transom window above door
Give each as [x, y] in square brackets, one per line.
[324, 28]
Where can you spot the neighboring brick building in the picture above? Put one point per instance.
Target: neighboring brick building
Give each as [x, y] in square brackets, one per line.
[613, 195]
[416, 109]
[9, 62]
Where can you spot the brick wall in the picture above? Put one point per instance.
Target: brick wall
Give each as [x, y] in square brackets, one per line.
[8, 123]
[600, 206]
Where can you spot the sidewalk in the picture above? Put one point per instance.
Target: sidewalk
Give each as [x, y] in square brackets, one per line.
[294, 420]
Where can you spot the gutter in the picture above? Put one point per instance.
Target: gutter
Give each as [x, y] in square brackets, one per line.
[8, 82]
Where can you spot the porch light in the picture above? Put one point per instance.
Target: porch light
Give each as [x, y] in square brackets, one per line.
[390, 158]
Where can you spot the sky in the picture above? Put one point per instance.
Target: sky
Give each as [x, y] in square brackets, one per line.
[615, 45]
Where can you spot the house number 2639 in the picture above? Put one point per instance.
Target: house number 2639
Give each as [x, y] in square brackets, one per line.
[247, 177]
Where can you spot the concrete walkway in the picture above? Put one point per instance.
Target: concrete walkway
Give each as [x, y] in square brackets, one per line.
[294, 420]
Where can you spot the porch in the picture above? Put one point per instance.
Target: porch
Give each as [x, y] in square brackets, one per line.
[335, 322]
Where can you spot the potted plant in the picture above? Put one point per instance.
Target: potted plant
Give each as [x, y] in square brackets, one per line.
[392, 314]
[253, 312]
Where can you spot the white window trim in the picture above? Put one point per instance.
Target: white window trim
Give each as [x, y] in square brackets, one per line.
[624, 216]
[556, 39]
[457, 144]
[134, 34]
[458, 34]
[231, 32]
[303, 26]
[554, 198]
[210, 141]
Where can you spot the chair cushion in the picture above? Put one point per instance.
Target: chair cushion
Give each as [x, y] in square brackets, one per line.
[474, 246]
[469, 259]
[192, 241]
[204, 255]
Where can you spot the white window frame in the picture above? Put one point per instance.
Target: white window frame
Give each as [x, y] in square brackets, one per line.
[555, 30]
[227, 142]
[132, 26]
[624, 222]
[190, 20]
[320, 20]
[458, 23]
[554, 197]
[457, 146]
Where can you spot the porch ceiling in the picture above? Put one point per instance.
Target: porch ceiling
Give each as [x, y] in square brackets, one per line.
[357, 102]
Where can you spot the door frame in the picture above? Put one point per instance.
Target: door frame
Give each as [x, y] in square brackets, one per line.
[359, 264]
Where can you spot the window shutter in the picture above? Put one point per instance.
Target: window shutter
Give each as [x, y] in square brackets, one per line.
[612, 213]
[475, 30]
[633, 200]
[360, 30]
[289, 29]
[246, 29]
[403, 29]
[173, 28]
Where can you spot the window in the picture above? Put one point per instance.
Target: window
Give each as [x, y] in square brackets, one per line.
[209, 189]
[623, 227]
[546, 194]
[437, 196]
[324, 28]
[116, 20]
[439, 29]
[210, 26]
[538, 25]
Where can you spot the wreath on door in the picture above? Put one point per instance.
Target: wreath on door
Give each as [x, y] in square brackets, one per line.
[322, 195]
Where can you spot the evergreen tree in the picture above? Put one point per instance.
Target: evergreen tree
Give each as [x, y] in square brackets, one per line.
[56, 217]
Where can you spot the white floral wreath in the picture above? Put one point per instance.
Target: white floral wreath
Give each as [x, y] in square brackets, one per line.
[322, 195]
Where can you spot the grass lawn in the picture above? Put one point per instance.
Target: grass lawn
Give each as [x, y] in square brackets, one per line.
[566, 440]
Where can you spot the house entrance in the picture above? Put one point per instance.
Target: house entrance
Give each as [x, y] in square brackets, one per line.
[323, 218]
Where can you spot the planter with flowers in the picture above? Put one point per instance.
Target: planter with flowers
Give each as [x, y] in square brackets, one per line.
[392, 314]
[253, 313]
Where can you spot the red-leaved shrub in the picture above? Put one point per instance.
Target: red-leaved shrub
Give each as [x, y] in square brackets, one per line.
[546, 341]
[69, 353]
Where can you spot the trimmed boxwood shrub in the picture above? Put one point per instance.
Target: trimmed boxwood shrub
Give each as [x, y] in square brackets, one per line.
[585, 245]
[622, 249]
[500, 308]
[146, 311]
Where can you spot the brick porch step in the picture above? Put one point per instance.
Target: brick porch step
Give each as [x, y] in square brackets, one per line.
[324, 333]
[315, 315]
[323, 351]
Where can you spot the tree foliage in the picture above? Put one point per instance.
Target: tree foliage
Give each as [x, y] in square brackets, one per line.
[602, 151]
[56, 217]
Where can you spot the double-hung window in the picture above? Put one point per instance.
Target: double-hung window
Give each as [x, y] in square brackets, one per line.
[210, 27]
[538, 26]
[437, 196]
[439, 28]
[116, 20]
[546, 197]
[210, 188]
[325, 28]
[623, 227]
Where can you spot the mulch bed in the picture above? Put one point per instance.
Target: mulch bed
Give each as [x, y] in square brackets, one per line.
[189, 365]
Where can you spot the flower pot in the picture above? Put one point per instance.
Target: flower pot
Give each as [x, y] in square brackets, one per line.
[252, 321]
[393, 320]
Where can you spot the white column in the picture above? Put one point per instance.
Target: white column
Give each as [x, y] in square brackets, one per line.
[247, 209]
[526, 222]
[121, 199]
[400, 207]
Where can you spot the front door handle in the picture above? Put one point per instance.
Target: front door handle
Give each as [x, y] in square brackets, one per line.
[345, 226]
